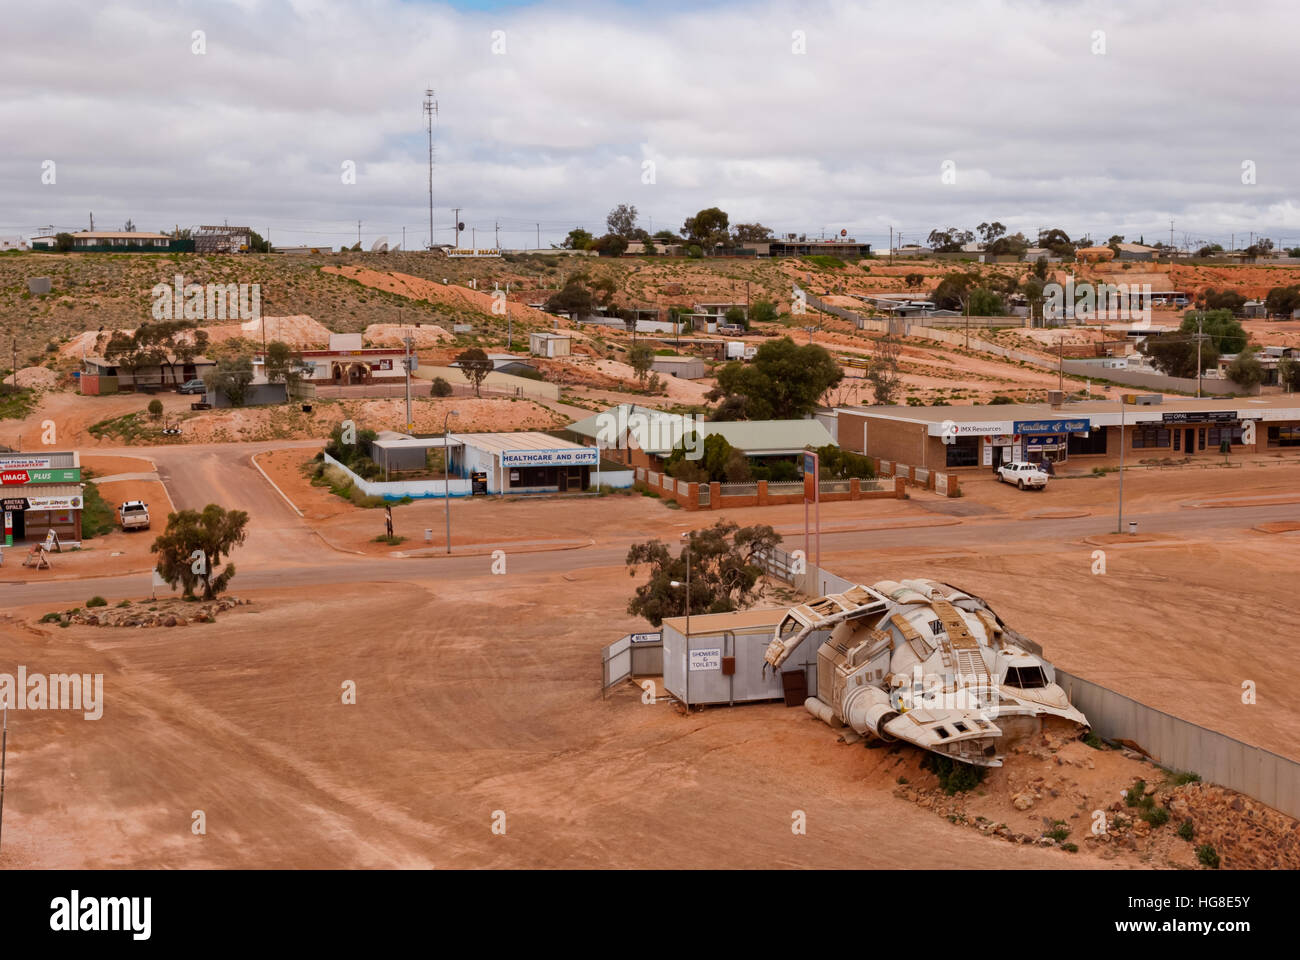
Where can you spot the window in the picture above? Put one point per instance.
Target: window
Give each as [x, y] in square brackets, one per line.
[1027, 678]
[963, 452]
[1150, 437]
[1284, 436]
[1178, 439]
[1094, 442]
[1219, 434]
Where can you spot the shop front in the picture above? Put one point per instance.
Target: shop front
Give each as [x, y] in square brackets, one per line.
[1047, 441]
[1193, 432]
[40, 493]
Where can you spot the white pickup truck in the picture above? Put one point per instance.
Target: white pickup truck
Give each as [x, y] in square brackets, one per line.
[134, 515]
[1022, 475]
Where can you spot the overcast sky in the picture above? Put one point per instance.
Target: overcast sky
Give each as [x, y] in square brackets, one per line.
[1045, 121]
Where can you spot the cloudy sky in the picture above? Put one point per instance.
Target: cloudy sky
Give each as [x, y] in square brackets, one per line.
[1096, 117]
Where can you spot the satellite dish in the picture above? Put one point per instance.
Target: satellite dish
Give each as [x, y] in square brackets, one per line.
[380, 245]
[461, 226]
[396, 248]
[844, 233]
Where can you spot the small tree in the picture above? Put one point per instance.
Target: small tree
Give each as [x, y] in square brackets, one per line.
[914, 280]
[195, 544]
[762, 311]
[724, 571]
[578, 239]
[475, 365]
[1246, 371]
[283, 364]
[736, 317]
[882, 370]
[232, 377]
[63, 242]
[622, 221]
[641, 358]
[155, 409]
[441, 388]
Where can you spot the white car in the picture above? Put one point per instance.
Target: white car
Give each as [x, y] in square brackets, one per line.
[134, 515]
[1023, 475]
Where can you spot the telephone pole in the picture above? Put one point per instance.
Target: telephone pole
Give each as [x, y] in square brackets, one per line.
[430, 111]
[496, 235]
[456, 225]
[358, 233]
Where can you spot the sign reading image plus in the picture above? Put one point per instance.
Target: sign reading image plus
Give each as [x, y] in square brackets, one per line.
[572, 457]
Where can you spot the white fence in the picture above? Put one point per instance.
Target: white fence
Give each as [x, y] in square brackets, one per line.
[400, 489]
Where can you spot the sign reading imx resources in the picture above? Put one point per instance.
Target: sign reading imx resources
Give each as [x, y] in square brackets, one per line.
[571, 457]
[16, 478]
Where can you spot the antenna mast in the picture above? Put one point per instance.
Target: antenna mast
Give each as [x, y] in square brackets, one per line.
[430, 111]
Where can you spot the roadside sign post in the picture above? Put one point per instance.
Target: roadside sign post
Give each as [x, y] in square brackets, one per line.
[812, 468]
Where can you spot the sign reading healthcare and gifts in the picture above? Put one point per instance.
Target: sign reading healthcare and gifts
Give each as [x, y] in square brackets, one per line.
[569, 457]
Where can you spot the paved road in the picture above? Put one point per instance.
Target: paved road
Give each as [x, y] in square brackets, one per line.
[281, 551]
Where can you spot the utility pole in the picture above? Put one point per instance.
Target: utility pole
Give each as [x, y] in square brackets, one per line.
[410, 425]
[15, 363]
[539, 236]
[891, 244]
[4, 755]
[430, 111]
[496, 235]
[456, 225]
[473, 235]
[1171, 233]
[1060, 355]
[1119, 523]
[1200, 324]
[403, 238]
[358, 233]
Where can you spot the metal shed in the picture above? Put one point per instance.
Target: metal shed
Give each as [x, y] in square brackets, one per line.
[722, 661]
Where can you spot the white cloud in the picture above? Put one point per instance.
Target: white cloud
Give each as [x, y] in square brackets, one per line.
[850, 134]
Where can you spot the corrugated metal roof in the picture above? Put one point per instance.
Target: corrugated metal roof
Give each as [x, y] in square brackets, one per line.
[44, 490]
[501, 442]
[664, 430]
[61, 459]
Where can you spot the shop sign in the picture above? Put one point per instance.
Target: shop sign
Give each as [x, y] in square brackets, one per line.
[572, 457]
[707, 659]
[1200, 416]
[13, 504]
[12, 477]
[27, 463]
[1076, 425]
[54, 503]
[953, 429]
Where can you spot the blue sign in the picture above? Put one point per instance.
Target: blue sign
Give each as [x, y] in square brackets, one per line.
[809, 462]
[1042, 427]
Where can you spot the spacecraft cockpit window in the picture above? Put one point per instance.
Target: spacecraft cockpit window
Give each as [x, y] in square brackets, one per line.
[1026, 678]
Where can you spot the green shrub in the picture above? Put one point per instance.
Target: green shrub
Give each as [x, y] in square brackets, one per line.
[1206, 854]
[953, 777]
[1181, 779]
[1136, 795]
[1070, 847]
[1156, 816]
[441, 388]
[1094, 741]
[97, 516]
[96, 601]
[51, 617]
[1186, 830]
[1058, 832]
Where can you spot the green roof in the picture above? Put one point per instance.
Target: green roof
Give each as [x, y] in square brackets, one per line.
[661, 431]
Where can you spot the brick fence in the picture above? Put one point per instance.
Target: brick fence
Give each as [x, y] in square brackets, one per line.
[716, 496]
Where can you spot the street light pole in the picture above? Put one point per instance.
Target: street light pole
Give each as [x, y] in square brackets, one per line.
[1119, 526]
[446, 472]
[677, 583]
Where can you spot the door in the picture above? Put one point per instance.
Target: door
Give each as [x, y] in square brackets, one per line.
[574, 478]
[1190, 440]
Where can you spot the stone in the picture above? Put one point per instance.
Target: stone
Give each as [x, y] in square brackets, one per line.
[1023, 800]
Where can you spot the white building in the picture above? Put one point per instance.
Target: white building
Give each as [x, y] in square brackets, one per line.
[549, 344]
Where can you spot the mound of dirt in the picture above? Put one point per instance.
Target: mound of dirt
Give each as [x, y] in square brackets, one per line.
[42, 378]
[391, 334]
[453, 295]
[299, 331]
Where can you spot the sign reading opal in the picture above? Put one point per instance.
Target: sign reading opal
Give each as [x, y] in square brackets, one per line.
[567, 457]
[1076, 425]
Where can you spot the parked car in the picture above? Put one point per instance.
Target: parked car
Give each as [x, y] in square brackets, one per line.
[1022, 475]
[193, 386]
[134, 515]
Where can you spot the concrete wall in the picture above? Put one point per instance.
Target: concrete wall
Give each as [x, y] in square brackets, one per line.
[399, 489]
